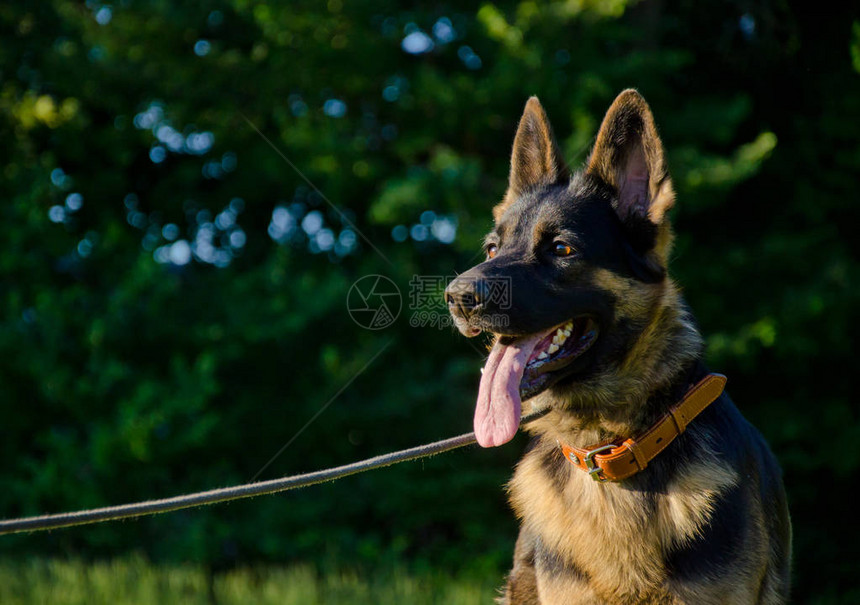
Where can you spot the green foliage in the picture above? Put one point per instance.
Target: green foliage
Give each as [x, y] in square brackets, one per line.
[855, 46]
[134, 580]
[173, 303]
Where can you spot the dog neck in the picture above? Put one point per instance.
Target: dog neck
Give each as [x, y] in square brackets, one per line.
[628, 396]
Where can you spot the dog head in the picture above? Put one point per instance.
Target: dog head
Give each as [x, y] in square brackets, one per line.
[575, 265]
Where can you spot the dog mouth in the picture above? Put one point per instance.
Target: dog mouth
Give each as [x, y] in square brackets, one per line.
[559, 348]
[521, 367]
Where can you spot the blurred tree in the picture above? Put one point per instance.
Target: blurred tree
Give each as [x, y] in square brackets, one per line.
[190, 191]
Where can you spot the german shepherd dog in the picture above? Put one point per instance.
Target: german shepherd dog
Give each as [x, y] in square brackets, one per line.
[598, 338]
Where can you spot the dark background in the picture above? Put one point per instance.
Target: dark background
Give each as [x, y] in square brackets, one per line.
[173, 293]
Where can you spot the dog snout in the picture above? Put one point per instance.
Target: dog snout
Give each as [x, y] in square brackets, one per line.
[466, 295]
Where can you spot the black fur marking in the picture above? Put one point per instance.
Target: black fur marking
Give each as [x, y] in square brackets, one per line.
[550, 562]
[775, 512]
[532, 444]
[556, 467]
[644, 270]
[719, 543]
[641, 231]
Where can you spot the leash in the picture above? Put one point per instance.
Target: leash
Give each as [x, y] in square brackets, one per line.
[248, 490]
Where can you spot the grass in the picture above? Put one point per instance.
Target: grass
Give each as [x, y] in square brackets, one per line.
[134, 580]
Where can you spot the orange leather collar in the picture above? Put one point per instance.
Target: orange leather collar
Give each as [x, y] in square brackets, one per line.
[615, 461]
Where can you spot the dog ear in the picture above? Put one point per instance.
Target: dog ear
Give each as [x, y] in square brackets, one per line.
[628, 156]
[536, 159]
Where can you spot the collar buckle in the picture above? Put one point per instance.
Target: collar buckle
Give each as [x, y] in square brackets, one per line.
[592, 467]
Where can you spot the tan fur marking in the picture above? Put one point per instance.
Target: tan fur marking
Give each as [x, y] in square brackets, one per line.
[592, 527]
[688, 504]
[663, 245]
[553, 589]
[635, 300]
[609, 533]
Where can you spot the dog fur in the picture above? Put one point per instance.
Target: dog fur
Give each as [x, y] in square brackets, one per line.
[706, 522]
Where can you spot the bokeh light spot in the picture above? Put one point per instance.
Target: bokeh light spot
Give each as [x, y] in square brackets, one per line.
[469, 58]
[74, 202]
[237, 238]
[180, 253]
[400, 233]
[103, 15]
[334, 108]
[202, 48]
[417, 43]
[57, 214]
[312, 222]
[419, 232]
[444, 31]
[157, 154]
[59, 178]
[170, 231]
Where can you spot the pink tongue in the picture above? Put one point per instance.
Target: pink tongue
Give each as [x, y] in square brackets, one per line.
[497, 415]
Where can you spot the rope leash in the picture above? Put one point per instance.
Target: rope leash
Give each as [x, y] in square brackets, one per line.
[236, 492]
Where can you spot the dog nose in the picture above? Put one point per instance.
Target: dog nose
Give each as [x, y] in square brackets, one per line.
[466, 294]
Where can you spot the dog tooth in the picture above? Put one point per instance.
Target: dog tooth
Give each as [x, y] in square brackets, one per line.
[555, 340]
[543, 355]
[566, 333]
[552, 348]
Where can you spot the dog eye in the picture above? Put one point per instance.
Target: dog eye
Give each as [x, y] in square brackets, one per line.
[561, 249]
[491, 250]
